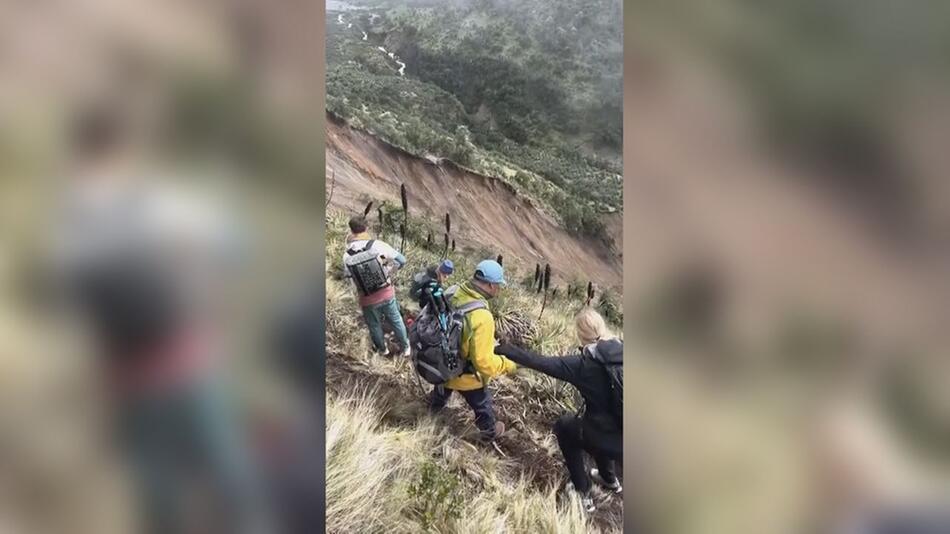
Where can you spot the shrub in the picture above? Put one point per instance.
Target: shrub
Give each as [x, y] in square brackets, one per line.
[436, 497]
[610, 307]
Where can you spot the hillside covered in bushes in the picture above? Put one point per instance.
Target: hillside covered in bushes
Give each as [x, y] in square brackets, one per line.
[528, 92]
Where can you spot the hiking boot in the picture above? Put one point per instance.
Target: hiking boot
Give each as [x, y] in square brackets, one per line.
[499, 430]
[614, 486]
[406, 352]
[587, 499]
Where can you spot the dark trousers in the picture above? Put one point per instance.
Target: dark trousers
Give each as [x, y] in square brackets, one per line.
[574, 437]
[480, 402]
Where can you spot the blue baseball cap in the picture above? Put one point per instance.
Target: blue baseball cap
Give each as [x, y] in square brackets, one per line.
[490, 271]
[447, 267]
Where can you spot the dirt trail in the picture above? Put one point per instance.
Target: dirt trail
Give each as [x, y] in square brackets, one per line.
[486, 212]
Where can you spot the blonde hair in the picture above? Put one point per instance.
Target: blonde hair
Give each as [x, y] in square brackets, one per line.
[590, 326]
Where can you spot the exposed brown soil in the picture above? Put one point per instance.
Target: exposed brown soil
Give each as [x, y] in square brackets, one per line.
[486, 212]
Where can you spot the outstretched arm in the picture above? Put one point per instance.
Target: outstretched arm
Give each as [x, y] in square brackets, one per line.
[565, 368]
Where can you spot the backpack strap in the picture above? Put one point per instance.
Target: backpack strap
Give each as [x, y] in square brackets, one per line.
[471, 306]
[450, 291]
[607, 355]
[465, 309]
[367, 246]
[591, 350]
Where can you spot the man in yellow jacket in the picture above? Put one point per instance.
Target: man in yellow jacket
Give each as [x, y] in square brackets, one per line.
[478, 349]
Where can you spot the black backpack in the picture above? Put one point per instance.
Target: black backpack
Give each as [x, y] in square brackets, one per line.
[365, 268]
[612, 365]
[436, 341]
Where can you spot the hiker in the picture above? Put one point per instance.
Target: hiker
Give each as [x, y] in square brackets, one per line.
[477, 348]
[427, 285]
[370, 263]
[136, 262]
[599, 431]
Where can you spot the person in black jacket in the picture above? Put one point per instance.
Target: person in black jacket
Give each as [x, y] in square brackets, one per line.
[427, 285]
[598, 431]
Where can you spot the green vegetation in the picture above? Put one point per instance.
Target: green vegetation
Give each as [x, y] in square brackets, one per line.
[610, 306]
[530, 93]
[435, 495]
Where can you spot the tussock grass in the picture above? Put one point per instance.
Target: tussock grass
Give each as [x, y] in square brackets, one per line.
[361, 462]
[381, 441]
[345, 333]
[370, 467]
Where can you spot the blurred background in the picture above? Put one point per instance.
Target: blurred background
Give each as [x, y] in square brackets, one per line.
[787, 226]
[161, 186]
[788, 219]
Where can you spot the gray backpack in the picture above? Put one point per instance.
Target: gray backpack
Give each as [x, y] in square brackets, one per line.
[365, 268]
[436, 342]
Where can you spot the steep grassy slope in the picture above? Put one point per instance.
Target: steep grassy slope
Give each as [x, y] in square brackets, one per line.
[395, 443]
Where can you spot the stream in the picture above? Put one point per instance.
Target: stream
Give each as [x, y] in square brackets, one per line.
[335, 5]
[394, 57]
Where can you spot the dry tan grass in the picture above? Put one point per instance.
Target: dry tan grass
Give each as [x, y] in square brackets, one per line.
[370, 466]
